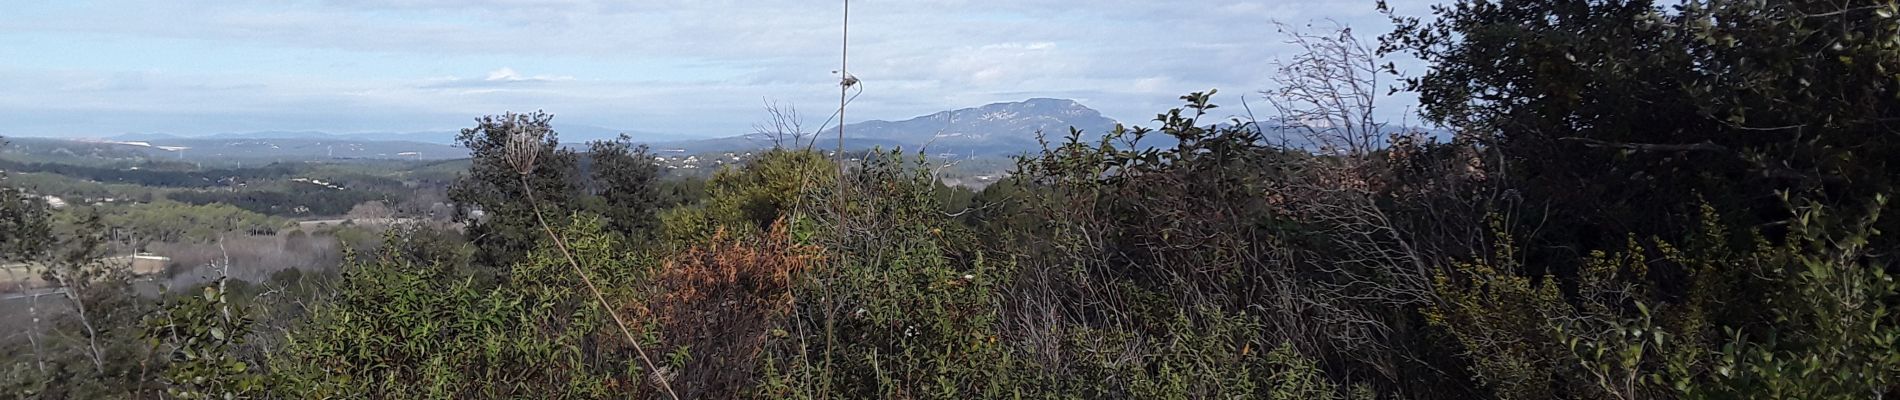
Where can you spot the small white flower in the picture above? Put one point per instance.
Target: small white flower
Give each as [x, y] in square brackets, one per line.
[968, 277]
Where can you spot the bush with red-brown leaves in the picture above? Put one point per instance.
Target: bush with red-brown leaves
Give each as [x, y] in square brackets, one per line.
[716, 302]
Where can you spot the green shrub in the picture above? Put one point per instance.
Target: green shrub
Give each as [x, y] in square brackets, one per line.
[401, 326]
[200, 337]
[899, 308]
[1802, 318]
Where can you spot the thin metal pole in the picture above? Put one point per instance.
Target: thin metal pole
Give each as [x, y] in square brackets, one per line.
[844, 57]
[844, 87]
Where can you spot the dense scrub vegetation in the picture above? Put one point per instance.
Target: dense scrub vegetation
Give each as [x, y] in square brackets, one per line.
[152, 174]
[1627, 200]
[294, 199]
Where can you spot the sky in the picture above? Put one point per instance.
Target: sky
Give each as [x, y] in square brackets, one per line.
[96, 68]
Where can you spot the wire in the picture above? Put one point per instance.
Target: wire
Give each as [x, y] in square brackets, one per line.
[834, 113]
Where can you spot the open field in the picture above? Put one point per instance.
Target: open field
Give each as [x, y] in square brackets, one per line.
[18, 276]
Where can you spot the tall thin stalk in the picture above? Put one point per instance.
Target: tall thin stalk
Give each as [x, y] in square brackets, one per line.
[523, 147]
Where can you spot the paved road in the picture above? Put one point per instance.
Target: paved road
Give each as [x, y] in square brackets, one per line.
[32, 293]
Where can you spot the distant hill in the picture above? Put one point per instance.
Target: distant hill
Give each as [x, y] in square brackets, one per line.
[581, 134]
[424, 137]
[996, 129]
[574, 134]
[276, 135]
[285, 147]
[146, 136]
[999, 128]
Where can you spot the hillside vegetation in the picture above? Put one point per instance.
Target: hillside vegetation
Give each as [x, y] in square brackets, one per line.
[1615, 200]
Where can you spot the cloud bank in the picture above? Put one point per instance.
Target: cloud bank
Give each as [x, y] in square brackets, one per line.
[688, 67]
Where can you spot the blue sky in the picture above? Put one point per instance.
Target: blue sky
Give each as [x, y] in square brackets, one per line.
[703, 68]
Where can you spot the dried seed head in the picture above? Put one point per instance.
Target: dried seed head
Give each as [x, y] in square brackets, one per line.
[524, 144]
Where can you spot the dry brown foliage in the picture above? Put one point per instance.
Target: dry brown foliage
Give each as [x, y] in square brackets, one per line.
[719, 301]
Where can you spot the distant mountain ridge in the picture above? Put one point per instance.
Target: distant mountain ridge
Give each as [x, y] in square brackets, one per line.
[1005, 128]
[990, 129]
[424, 137]
[569, 133]
[995, 129]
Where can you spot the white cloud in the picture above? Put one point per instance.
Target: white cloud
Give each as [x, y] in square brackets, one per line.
[1150, 84]
[506, 74]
